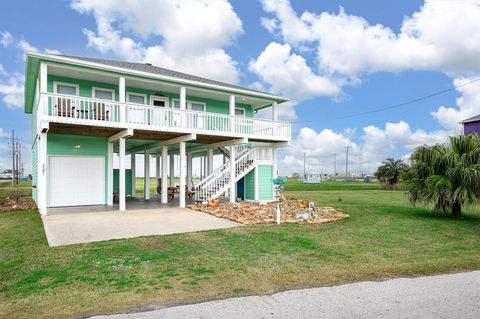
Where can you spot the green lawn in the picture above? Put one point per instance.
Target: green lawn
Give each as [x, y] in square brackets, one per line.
[296, 185]
[23, 189]
[384, 237]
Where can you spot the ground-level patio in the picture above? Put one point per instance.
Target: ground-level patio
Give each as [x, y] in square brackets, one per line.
[74, 225]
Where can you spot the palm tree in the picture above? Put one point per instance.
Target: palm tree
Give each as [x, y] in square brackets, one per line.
[389, 172]
[447, 176]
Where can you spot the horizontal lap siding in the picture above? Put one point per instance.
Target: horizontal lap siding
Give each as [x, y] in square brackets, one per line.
[250, 185]
[265, 182]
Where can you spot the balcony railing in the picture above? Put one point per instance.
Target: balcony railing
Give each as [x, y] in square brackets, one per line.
[89, 111]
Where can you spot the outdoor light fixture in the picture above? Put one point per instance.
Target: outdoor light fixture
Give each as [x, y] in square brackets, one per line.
[77, 146]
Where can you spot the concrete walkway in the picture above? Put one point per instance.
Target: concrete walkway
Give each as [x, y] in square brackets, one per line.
[444, 296]
[83, 227]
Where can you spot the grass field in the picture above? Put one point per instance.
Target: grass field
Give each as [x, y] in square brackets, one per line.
[296, 185]
[23, 189]
[384, 237]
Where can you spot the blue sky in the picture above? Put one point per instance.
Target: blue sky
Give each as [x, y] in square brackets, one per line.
[332, 58]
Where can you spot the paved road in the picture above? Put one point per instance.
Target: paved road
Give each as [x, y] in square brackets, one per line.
[444, 296]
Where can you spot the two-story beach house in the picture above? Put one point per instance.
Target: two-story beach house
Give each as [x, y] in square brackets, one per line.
[84, 110]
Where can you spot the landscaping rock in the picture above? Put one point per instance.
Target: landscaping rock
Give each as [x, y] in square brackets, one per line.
[250, 213]
[17, 203]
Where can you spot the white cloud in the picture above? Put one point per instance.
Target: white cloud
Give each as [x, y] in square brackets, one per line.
[376, 144]
[5, 39]
[11, 90]
[442, 36]
[288, 73]
[25, 46]
[191, 35]
[2, 70]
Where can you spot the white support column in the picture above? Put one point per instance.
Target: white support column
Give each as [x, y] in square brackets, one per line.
[164, 173]
[274, 111]
[172, 170]
[133, 168]
[42, 173]
[157, 168]
[255, 176]
[183, 98]
[110, 174]
[183, 168]
[233, 193]
[146, 177]
[210, 161]
[274, 162]
[121, 175]
[121, 99]
[189, 171]
[231, 108]
[43, 89]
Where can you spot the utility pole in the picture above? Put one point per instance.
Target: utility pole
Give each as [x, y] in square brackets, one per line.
[335, 166]
[304, 159]
[346, 162]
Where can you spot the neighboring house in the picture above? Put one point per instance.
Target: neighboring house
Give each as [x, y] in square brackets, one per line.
[471, 125]
[7, 174]
[84, 110]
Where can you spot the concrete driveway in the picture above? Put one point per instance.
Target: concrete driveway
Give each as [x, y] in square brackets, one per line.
[84, 227]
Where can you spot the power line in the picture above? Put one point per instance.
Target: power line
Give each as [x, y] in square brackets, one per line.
[389, 107]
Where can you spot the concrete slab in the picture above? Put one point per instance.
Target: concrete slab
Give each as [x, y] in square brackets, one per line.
[83, 227]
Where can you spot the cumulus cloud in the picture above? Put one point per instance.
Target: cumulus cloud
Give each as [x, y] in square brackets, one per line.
[191, 35]
[11, 90]
[5, 39]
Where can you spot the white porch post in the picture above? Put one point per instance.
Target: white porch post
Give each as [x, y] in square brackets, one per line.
[172, 170]
[210, 161]
[146, 177]
[255, 176]
[121, 175]
[274, 162]
[183, 167]
[42, 174]
[274, 111]
[121, 99]
[164, 174]
[132, 167]
[189, 171]
[157, 168]
[231, 108]
[183, 98]
[233, 192]
[110, 175]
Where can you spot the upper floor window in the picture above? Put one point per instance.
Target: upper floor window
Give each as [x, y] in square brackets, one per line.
[103, 94]
[239, 112]
[158, 101]
[194, 106]
[136, 98]
[66, 88]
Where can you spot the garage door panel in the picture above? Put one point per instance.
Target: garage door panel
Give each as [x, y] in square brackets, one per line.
[76, 180]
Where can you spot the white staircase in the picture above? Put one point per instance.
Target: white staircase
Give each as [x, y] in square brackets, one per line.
[218, 181]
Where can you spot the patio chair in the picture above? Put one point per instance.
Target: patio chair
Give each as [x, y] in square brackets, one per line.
[65, 107]
[100, 111]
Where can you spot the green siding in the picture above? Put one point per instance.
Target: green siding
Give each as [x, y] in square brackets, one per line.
[265, 182]
[63, 144]
[128, 181]
[250, 186]
[34, 170]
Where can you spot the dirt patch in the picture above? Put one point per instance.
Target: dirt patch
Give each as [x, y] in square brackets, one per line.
[17, 203]
[292, 211]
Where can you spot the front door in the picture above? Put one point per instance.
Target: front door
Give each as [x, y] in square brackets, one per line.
[159, 110]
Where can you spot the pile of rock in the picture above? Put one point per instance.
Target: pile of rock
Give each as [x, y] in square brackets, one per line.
[292, 211]
[17, 203]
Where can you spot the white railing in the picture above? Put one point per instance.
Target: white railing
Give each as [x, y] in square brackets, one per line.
[89, 111]
[218, 182]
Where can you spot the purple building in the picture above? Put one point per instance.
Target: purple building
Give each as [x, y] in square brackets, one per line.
[471, 125]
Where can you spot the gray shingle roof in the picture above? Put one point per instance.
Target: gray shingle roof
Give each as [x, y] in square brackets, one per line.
[472, 119]
[149, 68]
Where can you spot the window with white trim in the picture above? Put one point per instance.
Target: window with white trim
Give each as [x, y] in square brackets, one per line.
[66, 88]
[136, 98]
[239, 112]
[103, 94]
[191, 105]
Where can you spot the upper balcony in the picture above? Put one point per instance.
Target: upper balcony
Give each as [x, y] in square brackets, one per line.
[91, 96]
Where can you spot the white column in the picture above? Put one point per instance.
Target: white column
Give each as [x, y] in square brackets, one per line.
[172, 170]
[231, 108]
[164, 174]
[210, 161]
[233, 193]
[121, 175]
[274, 111]
[110, 174]
[146, 177]
[133, 168]
[255, 176]
[157, 168]
[189, 171]
[183, 168]
[274, 162]
[43, 89]
[183, 98]
[121, 98]
[42, 173]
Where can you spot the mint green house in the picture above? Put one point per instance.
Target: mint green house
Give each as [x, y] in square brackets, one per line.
[86, 112]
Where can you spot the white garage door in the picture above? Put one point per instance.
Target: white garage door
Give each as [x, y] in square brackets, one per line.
[76, 180]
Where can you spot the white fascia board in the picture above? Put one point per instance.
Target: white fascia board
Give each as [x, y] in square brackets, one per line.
[151, 75]
[123, 134]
